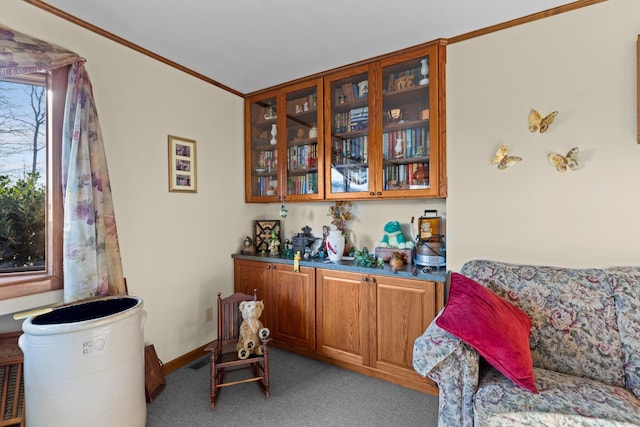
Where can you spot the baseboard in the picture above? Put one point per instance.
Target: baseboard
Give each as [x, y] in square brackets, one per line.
[183, 360]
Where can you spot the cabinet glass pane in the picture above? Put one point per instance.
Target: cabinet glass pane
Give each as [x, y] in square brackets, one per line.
[405, 134]
[264, 148]
[302, 141]
[349, 135]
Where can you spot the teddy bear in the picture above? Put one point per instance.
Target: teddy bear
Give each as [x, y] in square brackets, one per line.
[252, 331]
[393, 237]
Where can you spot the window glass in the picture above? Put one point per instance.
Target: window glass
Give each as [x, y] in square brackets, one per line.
[23, 174]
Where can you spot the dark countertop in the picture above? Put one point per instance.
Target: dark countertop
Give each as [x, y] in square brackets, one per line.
[436, 275]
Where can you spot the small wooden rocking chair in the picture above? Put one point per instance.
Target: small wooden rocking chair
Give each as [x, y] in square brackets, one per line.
[224, 354]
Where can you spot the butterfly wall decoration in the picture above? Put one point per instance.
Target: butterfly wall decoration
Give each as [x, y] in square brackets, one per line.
[539, 123]
[563, 162]
[503, 159]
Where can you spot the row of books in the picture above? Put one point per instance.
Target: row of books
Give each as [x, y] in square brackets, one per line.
[349, 179]
[303, 184]
[348, 151]
[405, 143]
[267, 161]
[403, 80]
[402, 177]
[302, 157]
[264, 184]
[352, 120]
[350, 92]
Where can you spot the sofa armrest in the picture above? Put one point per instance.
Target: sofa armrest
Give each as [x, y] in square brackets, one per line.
[454, 366]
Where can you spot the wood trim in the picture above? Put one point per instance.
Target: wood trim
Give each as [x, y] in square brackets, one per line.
[84, 24]
[524, 20]
[183, 360]
[638, 89]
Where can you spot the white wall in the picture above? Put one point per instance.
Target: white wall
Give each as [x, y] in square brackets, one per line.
[176, 247]
[583, 64]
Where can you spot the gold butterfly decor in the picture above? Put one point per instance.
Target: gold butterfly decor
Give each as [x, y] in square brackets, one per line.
[563, 162]
[537, 122]
[503, 159]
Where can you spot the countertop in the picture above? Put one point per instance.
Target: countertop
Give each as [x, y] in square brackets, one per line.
[419, 273]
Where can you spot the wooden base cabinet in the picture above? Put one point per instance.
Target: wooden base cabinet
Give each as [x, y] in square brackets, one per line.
[289, 299]
[369, 322]
[363, 322]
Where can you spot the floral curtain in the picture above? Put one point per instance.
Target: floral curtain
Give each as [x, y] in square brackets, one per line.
[91, 261]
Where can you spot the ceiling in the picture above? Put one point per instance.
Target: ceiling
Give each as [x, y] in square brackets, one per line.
[247, 45]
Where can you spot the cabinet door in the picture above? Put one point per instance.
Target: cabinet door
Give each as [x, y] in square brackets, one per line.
[304, 151]
[404, 309]
[347, 137]
[293, 299]
[342, 310]
[250, 275]
[261, 148]
[410, 139]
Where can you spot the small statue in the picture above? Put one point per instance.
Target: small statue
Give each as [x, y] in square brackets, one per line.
[274, 243]
[247, 246]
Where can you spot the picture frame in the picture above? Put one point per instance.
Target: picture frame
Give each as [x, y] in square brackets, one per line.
[182, 165]
[262, 231]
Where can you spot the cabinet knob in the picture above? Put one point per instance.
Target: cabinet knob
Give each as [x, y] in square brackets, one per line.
[372, 193]
[364, 279]
[379, 193]
[373, 280]
[268, 267]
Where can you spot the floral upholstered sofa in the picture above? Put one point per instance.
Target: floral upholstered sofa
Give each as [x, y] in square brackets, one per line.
[583, 349]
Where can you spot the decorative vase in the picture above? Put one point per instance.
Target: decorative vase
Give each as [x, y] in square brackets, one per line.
[274, 132]
[313, 132]
[424, 70]
[335, 244]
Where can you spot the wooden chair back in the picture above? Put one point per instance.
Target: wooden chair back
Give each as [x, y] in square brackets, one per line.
[230, 317]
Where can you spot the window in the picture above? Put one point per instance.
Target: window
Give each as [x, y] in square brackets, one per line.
[30, 183]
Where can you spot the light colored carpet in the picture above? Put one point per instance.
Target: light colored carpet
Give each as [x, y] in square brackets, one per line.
[304, 392]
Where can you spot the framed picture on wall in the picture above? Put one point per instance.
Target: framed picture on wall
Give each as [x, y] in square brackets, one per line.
[182, 165]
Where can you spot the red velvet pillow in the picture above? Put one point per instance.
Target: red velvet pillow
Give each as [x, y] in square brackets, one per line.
[498, 330]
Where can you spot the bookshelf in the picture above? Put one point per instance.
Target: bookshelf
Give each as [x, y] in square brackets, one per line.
[284, 154]
[375, 129]
[385, 127]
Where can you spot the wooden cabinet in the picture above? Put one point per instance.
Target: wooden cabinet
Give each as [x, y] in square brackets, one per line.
[385, 127]
[283, 144]
[363, 322]
[289, 299]
[370, 322]
[372, 130]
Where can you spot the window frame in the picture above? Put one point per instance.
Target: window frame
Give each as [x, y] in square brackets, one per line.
[19, 284]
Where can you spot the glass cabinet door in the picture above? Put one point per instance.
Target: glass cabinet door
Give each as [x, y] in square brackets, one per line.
[263, 153]
[304, 156]
[348, 122]
[406, 130]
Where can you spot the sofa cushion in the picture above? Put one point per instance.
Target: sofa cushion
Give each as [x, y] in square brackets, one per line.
[563, 400]
[498, 330]
[572, 311]
[625, 282]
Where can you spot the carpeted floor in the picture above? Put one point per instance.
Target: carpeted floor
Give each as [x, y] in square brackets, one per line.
[304, 392]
